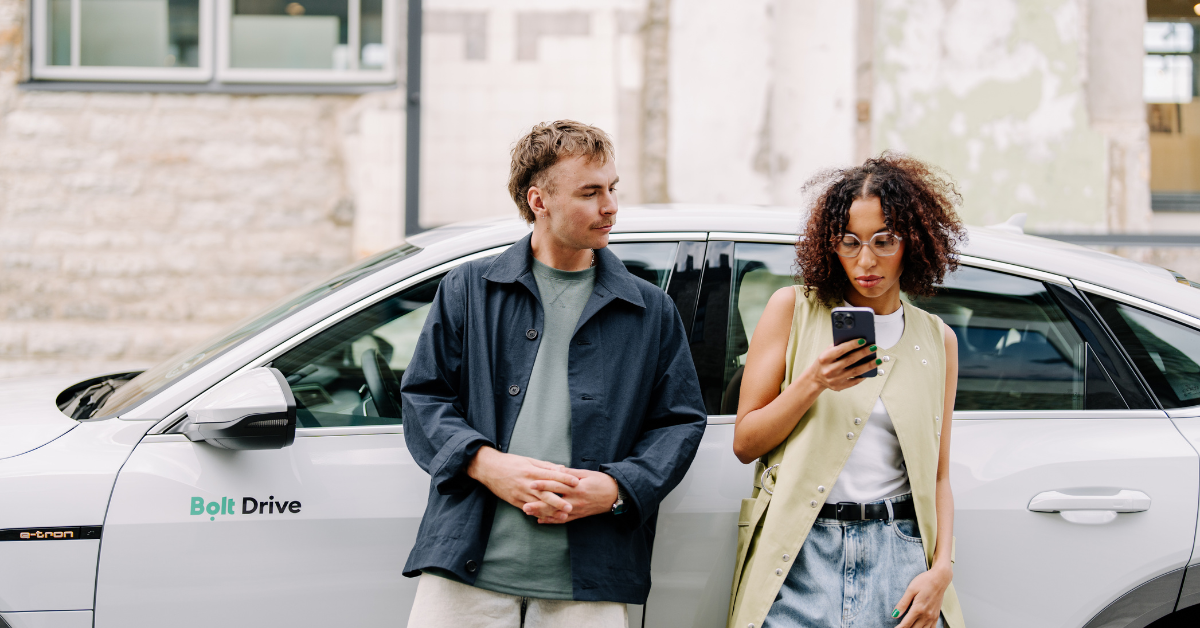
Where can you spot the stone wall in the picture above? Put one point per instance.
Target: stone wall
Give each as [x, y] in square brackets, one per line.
[134, 224]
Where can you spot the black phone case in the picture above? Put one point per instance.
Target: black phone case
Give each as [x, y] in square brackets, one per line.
[852, 324]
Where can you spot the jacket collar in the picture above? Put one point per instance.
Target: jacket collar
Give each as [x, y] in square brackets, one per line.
[516, 264]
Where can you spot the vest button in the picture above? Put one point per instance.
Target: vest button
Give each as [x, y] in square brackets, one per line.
[531, 334]
[916, 347]
[924, 362]
[514, 390]
[849, 435]
[779, 572]
[887, 358]
[786, 558]
[471, 566]
[820, 489]
[858, 420]
[813, 503]
[881, 371]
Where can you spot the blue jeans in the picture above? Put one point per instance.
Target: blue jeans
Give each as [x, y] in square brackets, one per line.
[850, 574]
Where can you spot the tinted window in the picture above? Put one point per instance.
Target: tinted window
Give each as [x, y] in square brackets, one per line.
[758, 271]
[1165, 352]
[1017, 349]
[326, 371]
[651, 261]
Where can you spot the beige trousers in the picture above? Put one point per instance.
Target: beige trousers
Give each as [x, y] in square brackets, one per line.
[444, 603]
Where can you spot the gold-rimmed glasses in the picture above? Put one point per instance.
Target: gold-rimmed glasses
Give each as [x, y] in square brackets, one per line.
[883, 244]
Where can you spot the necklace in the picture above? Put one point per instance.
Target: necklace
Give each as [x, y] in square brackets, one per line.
[593, 264]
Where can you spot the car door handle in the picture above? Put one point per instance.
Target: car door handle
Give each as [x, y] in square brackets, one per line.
[1123, 500]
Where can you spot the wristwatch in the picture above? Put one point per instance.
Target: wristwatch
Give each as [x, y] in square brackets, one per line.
[619, 506]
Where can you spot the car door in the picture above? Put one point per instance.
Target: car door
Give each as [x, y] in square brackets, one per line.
[1047, 404]
[1165, 347]
[694, 549]
[313, 534]
[1071, 487]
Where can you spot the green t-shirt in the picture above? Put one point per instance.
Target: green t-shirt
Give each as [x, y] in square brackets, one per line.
[523, 557]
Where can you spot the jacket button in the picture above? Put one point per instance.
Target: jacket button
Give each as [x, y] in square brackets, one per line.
[858, 420]
[471, 566]
[786, 558]
[881, 372]
[887, 358]
[514, 390]
[916, 347]
[820, 489]
[531, 334]
[813, 503]
[849, 435]
[779, 572]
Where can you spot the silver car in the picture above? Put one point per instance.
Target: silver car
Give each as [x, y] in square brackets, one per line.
[1075, 470]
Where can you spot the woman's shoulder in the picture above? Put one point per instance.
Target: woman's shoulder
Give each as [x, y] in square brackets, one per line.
[933, 322]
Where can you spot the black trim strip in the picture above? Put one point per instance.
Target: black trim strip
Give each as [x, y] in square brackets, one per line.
[1143, 605]
[69, 533]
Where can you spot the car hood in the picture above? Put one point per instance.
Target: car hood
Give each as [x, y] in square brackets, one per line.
[29, 417]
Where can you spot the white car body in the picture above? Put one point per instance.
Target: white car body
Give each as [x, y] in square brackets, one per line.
[343, 503]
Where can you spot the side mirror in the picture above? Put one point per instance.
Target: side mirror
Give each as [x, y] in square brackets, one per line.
[255, 410]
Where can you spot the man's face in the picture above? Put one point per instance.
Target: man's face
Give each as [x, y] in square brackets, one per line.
[583, 206]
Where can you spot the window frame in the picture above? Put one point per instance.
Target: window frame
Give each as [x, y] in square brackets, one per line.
[42, 69]
[1176, 316]
[214, 42]
[354, 75]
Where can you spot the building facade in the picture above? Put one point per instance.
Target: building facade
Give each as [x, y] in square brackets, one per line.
[168, 167]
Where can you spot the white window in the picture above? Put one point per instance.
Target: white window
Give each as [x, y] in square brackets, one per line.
[227, 41]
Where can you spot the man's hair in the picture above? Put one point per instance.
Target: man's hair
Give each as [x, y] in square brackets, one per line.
[919, 204]
[541, 148]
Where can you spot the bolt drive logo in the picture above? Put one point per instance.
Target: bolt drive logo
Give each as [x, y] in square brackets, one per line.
[250, 506]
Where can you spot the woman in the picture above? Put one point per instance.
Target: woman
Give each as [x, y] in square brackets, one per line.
[852, 518]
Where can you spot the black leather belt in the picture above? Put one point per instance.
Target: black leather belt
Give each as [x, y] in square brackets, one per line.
[850, 511]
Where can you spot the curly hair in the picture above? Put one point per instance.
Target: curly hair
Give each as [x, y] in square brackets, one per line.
[919, 204]
[534, 154]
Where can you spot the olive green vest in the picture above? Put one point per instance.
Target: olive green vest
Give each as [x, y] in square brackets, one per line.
[772, 528]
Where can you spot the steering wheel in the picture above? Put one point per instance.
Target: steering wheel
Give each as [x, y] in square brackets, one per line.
[383, 384]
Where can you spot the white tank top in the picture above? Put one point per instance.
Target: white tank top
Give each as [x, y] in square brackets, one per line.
[875, 469]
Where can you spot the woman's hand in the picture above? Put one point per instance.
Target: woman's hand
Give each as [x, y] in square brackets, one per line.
[832, 369]
[922, 602]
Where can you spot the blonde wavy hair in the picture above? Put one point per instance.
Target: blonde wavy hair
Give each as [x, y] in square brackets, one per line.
[545, 145]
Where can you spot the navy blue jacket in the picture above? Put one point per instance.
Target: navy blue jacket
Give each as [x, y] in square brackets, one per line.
[636, 412]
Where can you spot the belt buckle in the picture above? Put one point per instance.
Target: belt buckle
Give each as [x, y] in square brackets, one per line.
[851, 508]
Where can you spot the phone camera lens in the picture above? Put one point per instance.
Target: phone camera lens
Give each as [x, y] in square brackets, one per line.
[849, 323]
[838, 324]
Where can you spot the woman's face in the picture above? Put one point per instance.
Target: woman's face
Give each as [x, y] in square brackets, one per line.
[871, 275]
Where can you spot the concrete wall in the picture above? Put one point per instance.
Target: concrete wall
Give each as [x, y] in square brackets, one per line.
[996, 93]
[762, 98]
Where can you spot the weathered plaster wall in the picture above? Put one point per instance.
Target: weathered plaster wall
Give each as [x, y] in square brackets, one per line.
[762, 98]
[995, 92]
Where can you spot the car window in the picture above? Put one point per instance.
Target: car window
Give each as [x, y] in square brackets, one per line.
[331, 374]
[1017, 348]
[651, 261]
[331, 384]
[758, 271]
[1166, 353]
[151, 381]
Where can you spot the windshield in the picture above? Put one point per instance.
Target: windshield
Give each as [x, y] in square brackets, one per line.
[151, 381]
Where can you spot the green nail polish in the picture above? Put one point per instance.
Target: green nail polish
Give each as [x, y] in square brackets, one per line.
[861, 341]
[878, 361]
[895, 613]
[873, 348]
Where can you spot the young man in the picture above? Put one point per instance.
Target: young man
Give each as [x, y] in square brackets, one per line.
[553, 401]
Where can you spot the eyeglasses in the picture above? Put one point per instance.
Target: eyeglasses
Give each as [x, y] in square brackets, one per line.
[883, 244]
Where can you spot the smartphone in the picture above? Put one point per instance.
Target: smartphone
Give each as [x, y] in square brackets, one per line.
[852, 323]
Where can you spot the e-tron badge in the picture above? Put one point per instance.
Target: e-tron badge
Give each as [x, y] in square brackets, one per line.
[51, 534]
